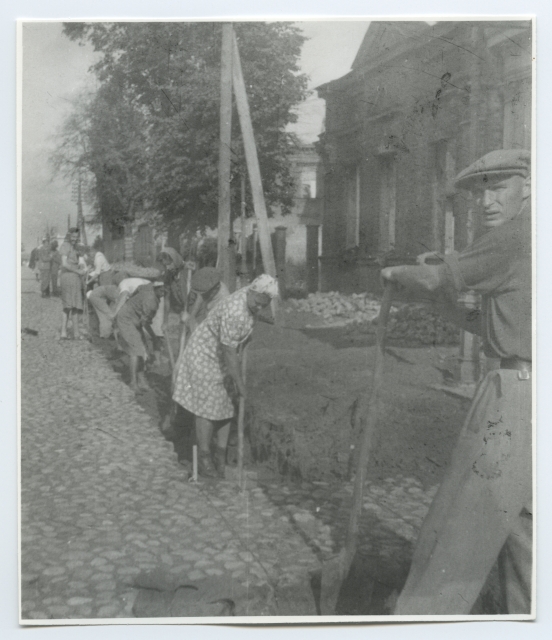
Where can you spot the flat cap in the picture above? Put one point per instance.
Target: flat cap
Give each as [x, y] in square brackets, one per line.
[205, 279]
[501, 162]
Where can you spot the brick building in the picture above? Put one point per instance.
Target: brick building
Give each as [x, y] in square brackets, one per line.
[420, 103]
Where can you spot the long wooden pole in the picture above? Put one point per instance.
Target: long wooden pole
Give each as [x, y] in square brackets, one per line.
[224, 220]
[241, 420]
[252, 163]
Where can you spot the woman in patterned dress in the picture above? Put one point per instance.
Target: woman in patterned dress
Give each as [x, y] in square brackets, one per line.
[209, 372]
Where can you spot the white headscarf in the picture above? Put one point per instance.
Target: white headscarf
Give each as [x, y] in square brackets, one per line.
[265, 284]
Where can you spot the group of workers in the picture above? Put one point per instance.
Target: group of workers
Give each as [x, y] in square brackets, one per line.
[214, 326]
[482, 512]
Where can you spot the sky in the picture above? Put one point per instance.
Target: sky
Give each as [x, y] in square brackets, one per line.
[55, 70]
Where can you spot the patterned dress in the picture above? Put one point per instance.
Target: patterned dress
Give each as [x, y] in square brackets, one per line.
[203, 382]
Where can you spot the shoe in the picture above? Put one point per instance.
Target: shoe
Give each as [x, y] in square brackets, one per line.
[220, 461]
[205, 466]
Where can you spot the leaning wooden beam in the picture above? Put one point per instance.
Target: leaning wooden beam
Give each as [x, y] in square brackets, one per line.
[224, 216]
[252, 160]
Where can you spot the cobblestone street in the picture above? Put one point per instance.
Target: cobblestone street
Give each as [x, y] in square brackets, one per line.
[106, 508]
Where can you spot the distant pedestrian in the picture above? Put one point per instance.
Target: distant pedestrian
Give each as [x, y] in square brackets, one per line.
[43, 264]
[71, 280]
[209, 373]
[132, 320]
[33, 259]
[55, 264]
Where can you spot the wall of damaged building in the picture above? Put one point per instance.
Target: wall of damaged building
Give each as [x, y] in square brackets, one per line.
[397, 132]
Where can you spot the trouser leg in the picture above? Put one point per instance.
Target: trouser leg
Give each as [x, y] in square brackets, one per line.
[100, 299]
[516, 566]
[44, 282]
[478, 504]
[53, 282]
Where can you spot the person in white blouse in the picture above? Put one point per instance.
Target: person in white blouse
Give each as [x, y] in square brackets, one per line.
[102, 272]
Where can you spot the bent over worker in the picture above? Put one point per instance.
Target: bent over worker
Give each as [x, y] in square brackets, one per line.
[483, 509]
[135, 317]
[209, 375]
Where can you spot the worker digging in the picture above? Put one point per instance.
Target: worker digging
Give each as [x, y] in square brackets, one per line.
[271, 377]
[483, 510]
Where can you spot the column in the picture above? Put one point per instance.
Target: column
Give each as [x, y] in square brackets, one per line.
[312, 257]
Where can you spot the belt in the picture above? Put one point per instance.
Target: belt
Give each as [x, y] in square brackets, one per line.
[517, 364]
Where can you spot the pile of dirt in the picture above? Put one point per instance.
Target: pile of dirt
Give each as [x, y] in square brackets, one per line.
[420, 324]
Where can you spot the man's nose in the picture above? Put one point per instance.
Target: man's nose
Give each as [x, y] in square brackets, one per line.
[488, 198]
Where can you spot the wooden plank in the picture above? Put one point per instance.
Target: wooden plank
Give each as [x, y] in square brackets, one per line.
[225, 140]
[252, 160]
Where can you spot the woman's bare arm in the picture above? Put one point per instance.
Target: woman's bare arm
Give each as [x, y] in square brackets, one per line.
[65, 264]
[233, 362]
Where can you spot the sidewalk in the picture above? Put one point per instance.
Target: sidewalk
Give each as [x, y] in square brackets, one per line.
[105, 505]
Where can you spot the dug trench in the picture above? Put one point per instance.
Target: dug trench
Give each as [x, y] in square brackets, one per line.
[305, 389]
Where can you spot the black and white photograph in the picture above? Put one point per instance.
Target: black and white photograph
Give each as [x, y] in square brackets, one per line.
[276, 320]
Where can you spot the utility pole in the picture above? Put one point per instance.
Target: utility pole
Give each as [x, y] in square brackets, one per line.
[80, 216]
[225, 240]
[252, 163]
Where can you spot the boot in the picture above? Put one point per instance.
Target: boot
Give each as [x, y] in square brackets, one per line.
[205, 466]
[220, 461]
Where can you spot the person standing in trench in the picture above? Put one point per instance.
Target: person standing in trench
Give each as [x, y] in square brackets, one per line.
[483, 509]
[209, 375]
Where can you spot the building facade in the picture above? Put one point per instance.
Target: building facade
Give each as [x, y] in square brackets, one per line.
[420, 103]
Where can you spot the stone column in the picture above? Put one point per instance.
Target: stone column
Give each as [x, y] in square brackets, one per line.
[312, 257]
[280, 258]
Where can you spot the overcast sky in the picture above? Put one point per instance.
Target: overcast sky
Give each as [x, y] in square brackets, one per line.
[55, 70]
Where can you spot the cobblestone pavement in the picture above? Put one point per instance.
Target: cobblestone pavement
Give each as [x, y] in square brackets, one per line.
[105, 504]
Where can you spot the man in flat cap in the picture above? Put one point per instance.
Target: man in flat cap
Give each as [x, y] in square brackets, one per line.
[483, 509]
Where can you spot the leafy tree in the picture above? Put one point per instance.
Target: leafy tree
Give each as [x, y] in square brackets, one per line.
[150, 134]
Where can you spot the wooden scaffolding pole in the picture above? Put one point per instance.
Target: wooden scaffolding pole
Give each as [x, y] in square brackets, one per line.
[225, 244]
[252, 160]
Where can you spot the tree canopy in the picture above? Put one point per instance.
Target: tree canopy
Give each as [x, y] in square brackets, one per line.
[149, 134]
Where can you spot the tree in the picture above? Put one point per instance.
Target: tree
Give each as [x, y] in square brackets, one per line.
[103, 145]
[152, 128]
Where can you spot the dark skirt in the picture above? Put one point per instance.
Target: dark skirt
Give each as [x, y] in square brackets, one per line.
[71, 290]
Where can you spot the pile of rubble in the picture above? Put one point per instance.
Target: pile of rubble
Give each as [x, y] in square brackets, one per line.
[331, 306]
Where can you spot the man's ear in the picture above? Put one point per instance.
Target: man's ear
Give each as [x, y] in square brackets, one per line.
[526, 189]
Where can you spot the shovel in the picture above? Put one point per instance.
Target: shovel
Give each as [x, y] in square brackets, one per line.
[241, 421]
[336, 570]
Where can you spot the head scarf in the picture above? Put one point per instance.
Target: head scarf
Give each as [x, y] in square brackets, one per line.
[175, 257]
[265, 284]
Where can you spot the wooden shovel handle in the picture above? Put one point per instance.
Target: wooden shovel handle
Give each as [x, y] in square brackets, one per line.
[368, 430]
[241, 418]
